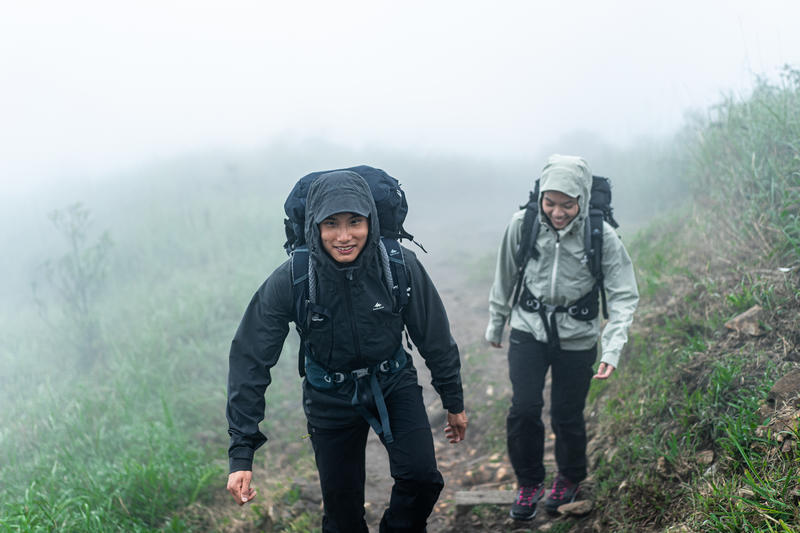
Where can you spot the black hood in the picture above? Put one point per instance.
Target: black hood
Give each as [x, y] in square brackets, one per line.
[341, 191]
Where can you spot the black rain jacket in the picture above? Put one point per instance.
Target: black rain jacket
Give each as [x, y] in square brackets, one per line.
[360, 329]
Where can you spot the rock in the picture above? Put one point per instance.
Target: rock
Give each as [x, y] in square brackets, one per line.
[311, 493]
[502, 474]
[579, 508]
[662, 467]
[785, 391]
[788, 445]
[748, 322]
[706, 457]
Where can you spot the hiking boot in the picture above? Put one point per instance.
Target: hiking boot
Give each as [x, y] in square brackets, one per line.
[563, 491]
[524, 507]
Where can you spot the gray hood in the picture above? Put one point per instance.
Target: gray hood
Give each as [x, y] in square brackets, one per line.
[342, 191]
[570, 175]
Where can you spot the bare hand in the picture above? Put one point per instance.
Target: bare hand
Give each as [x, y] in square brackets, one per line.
[239, 486]
[495, 344]
[456, 427]
[603, 371]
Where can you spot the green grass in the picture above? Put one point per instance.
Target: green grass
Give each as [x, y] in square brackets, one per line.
[684, 385]
[131, 441]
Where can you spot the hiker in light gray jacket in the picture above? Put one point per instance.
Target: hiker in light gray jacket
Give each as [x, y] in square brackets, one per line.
[556, 324]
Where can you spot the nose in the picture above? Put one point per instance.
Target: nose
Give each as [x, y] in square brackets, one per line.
[343, 234]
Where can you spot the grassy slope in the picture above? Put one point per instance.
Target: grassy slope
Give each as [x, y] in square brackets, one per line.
[687, 384]
[124, 444]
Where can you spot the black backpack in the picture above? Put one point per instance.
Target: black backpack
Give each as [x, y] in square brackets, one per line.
[390, 200]
[599, 210]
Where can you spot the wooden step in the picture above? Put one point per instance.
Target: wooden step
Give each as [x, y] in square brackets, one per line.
[467, 499]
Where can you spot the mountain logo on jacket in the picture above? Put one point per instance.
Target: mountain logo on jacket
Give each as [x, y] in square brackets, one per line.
[377, 307]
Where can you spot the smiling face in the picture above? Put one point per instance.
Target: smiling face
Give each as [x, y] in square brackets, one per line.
[344, 235]
[559, 208]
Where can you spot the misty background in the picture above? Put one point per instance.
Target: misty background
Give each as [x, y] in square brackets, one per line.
[178, 128]
[101, 100]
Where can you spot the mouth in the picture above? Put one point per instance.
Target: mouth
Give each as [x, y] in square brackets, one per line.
[345, 250]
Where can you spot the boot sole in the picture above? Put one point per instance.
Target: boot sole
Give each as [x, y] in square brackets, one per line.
[526, 518]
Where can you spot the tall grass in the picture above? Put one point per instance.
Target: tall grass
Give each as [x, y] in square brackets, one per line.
[126, 444]
[685, 386]
[745, 168]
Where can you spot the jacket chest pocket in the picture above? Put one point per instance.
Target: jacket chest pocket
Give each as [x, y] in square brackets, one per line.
[381, 334]
[319, 332]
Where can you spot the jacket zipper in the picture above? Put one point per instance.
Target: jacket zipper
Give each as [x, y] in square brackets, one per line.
[353, 328]
[555, 271]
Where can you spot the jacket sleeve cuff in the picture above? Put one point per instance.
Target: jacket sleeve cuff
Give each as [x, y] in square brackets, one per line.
[239, 464]
[494, 330]
[240, 458]
[494, 333]
[452, 396]
[611, 358]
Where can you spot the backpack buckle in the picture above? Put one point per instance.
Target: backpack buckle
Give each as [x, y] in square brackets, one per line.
[359, 373]
[333, 377]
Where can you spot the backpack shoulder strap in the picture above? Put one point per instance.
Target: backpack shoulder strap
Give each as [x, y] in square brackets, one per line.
[401, 289]
[299, 271]
[526, 248]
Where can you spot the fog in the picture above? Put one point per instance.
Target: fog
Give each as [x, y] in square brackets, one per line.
[109, 104]
[146, 150]
[93, 88]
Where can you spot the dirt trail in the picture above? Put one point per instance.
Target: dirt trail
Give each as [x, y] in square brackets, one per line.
[467, 465]
[476, 463]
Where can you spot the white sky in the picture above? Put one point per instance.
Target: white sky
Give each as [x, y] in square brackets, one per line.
[91, 87]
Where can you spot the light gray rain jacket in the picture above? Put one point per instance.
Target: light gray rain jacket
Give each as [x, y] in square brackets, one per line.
[561, 276]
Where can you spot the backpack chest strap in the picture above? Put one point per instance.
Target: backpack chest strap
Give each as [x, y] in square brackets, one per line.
[584, 309]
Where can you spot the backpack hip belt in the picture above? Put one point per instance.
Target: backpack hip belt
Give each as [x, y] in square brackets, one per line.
[584, 309]
[366, 387]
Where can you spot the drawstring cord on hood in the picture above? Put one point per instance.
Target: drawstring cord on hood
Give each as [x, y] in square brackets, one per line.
[383, 262]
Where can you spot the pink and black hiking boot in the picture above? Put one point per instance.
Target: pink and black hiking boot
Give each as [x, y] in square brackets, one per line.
[563, 491]
[524, 507]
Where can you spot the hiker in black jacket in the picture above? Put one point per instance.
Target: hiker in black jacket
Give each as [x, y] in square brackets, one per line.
[358, 373]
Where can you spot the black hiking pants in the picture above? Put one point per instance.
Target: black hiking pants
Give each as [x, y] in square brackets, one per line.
[528, 361]
[339, 453]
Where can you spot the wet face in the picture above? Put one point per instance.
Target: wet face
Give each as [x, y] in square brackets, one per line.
[559, 208]
[344, 235]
